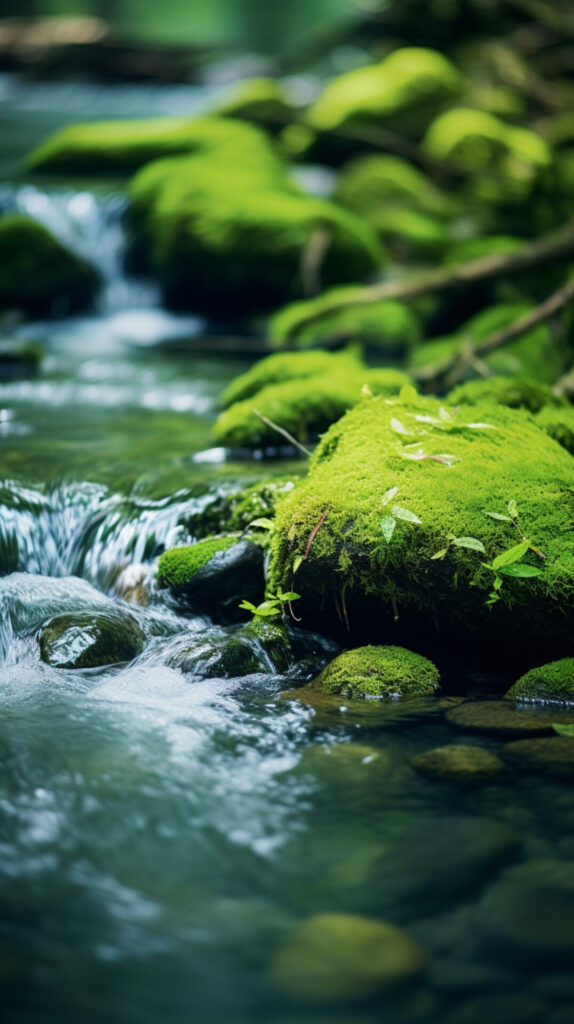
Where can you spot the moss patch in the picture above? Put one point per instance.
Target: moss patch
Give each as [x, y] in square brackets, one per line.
[285, 366]
[515, 392]
[178, 566]
[554, 681]
[558, 422]
[379, 672]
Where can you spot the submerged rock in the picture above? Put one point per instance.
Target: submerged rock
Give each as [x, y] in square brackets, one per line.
[332, 957]
[554, 681]
[214, 575]
[387, 487]
[379, 672]
[500, 718]
[552, 756]
[87, 640]
[460, 764]
[37, 273]
[257, 647]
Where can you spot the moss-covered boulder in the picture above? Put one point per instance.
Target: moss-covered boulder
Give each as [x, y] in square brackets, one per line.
[386, 327]
[536, 353]
[458, 763]
[304, 408]
[410, 84]
[228, 235]
[383, 181]
[379, 672]
[37, 273]
[399, 503]
[515, 392]
[286, 366]
[90, 640]
[232, 510]
[554, 681]
[214, 575]
[333, 957]
[558, 422]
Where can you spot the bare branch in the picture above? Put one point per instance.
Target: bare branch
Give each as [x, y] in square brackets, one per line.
[284, 433]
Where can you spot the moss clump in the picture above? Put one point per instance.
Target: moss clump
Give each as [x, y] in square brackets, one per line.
[305, 408]
[231, 511]
[410, 83]
[287, 366]
[178, 566]
[458, 763]
[554, 681]
[515, 392]
[37, 273]
[387, 326]
[121, 147]
[534, 354]
[377, 181]
[448, 474]
[263, 100]
[209, 232]
[379, 672]
[558, 423]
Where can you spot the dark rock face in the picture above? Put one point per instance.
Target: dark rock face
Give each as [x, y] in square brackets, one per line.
[90, 640]
[222, 583]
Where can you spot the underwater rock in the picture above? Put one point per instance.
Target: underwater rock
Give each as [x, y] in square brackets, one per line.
[379, 672]
[527, 915]
[214, 575]
[384, 327]
[37, 273]
[554, 681]
[460, 764]
[388, 485]
[87, 640]
[500, 718]
[552, 756]
[332, 957]
[19, 359]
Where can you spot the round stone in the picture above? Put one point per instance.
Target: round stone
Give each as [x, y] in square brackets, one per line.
[501, 718]
[552, 755]
[458, 763]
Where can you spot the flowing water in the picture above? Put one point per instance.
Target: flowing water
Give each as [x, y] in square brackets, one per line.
[162, 836]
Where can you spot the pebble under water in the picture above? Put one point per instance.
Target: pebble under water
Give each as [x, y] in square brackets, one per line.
[164, 837]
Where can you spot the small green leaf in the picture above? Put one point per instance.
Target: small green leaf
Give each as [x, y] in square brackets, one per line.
[389, 495]
[511, 555]
[408, 394]
[480, 426]
[440, 554]
[399, 428]
[497, 583]
[247, 606]
[469, 542]
[263, 524]
[492, 598]
[297, 561]
[520, 571]
[444, 415]
[499, 516]
[513, 509]
[403, 513]
[365, 390]
[388, 527]
[563, 730]
[267, 608]
[288, 595]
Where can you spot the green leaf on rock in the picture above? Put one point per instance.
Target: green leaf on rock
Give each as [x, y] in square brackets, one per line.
[405, 515]
[511, 555]
[388, 524]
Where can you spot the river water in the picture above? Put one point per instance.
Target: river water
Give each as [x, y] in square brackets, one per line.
[161, 837]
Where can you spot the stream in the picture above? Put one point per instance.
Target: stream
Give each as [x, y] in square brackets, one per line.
[162, 835]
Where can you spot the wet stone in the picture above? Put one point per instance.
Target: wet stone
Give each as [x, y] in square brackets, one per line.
[229, 577]
[553, 756]
[459, 763]
[90, 640]
[501, 718]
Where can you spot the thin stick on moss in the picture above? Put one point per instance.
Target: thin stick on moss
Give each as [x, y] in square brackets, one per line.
[452, 371]
[314, 533]
[284, 433]
[541, 252]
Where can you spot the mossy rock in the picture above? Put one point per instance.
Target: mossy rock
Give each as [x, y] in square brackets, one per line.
[386, 327]
[265, 101]
[554, 681]
[37, 273]
[448, 474]
[551, 756]
[333, 957]
[262, 647]
[214, 575]
[232, 510]
[209, 231]
[379, 672]
[383, 181]
[515, 392]
[305, 408]
[410, 234]
[458, 763]
[558, 422]
[285, 366]
[534, 354]
[90, 640]
[499, 718]
[19, 359]
[122, 147]
[408, 85]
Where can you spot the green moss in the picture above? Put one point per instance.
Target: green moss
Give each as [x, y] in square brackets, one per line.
[411, 233]
[534, 354]
[387, 326]
[412, 80]
[558, 423]
[263, 100]
[305, 408]
[287, 366]
[515, 392]
[461, 473]
[477, 248]
[371, 182]
[178, 566]
[554, 681]
[121, 147]
[379, 672]
[210, 232]
[271, 642]
[37, 272]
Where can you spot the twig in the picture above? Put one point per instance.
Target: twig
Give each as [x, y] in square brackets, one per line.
[312, 260]
[454, 369]
[314, 533]
[284, 433]
[542, 251]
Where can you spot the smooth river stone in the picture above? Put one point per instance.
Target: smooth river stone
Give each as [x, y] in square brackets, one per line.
[552, 755]
[458, 763]
[501, 718]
